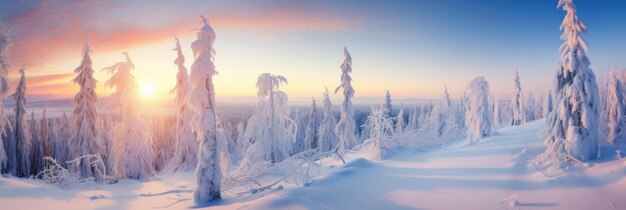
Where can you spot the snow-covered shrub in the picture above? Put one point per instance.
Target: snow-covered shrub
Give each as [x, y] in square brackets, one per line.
[380, 127]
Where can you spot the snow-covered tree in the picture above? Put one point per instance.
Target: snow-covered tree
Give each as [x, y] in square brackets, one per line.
[446, 102]
[22, 136]
[400, 119]
[204, 122]
[270, 132]
[477, 117]
[4, 89]
[497, 113]
[530, 106]
[85, 127]
[310, 138]
[186, 149]
[572, 127]
[132, 150]
[45, 133]
[346, 127]
[548, 104]
[387, 103]
[518, 111]
[380, 127]
[327, 139]
[413, 119]
[37, 146]
[615, 109]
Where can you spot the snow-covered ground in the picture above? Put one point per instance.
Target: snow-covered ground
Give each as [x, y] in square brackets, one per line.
[492, 174]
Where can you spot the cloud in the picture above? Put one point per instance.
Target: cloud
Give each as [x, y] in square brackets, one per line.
[50, 31]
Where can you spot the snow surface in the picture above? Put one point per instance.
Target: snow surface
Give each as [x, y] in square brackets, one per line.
[492, 174]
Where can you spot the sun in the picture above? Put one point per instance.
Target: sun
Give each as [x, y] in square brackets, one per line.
[147, 89]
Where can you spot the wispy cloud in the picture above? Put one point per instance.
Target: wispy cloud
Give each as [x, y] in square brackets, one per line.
[50, 31]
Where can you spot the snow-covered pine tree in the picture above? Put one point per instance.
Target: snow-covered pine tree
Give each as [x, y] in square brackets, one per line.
[530, 106]
[477, 118]
[327, 139]
[132, 147]
[387, 103]
[37, 146]
[400, 120]
[447, 103]
[85, 127]
[346, 127]
[413, 119]
[518, 110]
[186, 149]
[204, 122]
[22, 136]
[310, 138]
[615, 109]
[45, 133]
[497, 113]
[572, 127]
[548, 104]
[4, 89]
[62, 153]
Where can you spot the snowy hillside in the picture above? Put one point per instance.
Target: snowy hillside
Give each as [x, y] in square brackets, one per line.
[493, 174]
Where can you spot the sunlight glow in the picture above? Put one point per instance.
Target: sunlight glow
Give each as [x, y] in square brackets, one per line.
[147, 89]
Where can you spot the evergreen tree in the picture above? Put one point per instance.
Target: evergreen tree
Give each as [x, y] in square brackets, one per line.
[186, 150]
[400, 120]
[615, 109]
[37, 146]
[132, 146]
[477, 118]
[7, 158]
[22, 136]
[85, 127]
[573, 126]
[346, 126]
[387, 103]
[204, 122]
[518, 111]
[310, 138]
[326, 135]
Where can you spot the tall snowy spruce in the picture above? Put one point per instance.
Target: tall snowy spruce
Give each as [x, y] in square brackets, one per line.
[614, 112]
[310, 136]
[327, 139]
[186, 149]
[7, 158]
[22, 136]
[387, 103]
[346, 127]
[477, 115]
[518, 110]
[572, 127]
[37, 146]
[85, 127]
[548, 105]
[399, 126]
[204, 122]
[132, 148]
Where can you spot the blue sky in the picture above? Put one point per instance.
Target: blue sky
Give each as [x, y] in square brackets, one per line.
[412, 48]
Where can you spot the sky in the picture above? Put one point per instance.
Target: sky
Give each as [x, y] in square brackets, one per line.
[412, 48]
